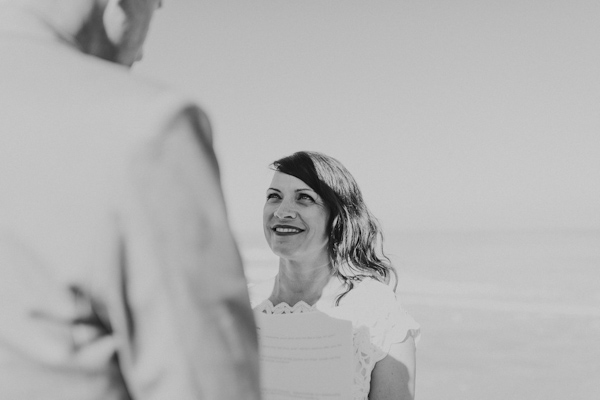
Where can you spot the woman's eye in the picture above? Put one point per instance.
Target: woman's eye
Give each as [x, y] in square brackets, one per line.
[272, 196]
[306, 197]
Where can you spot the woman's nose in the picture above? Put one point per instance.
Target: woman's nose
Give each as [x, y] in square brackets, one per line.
[285, 210]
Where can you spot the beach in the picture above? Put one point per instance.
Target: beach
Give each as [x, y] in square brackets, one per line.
[504, 315]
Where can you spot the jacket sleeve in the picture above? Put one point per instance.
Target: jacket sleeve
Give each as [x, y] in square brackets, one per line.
[184, 323]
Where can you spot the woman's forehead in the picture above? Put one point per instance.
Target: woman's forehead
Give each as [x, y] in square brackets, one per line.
[281, 180]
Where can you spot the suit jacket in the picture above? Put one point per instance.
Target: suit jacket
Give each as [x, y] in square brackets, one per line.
[119, 276]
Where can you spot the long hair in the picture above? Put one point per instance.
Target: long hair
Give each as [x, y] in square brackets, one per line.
[355, 244]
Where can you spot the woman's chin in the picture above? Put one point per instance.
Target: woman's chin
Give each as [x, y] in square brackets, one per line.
[283, 253]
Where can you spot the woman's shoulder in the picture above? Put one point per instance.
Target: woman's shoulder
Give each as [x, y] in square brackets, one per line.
[368, 300]
[377, 306]
[372, 290]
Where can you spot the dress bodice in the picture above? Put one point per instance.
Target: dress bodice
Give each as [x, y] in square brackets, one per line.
[377, 319]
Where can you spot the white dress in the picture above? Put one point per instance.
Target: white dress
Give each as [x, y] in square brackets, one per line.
[377, 317]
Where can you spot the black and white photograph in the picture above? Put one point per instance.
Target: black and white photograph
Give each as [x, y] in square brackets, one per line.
[310, 199]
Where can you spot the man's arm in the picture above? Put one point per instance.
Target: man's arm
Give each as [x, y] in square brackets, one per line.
[187, 328]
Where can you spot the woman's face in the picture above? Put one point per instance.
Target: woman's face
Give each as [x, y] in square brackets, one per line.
[295, 220]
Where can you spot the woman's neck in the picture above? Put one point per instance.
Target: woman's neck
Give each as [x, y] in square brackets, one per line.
[300, 282]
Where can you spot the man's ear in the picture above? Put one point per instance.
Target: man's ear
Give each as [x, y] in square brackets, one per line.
[115, 21]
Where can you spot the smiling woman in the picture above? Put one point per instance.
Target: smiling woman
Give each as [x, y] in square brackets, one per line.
[294, 220]
[331, 260]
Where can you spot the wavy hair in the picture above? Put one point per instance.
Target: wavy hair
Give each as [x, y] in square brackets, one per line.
[355, 238]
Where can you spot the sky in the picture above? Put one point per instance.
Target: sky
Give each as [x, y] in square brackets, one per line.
[461, 115]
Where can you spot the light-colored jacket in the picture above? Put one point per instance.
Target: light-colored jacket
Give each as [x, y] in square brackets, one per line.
[119, 276]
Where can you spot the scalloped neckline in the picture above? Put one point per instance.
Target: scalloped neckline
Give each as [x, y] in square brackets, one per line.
[284, 307]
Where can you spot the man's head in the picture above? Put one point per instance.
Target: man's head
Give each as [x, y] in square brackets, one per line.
[114, 30]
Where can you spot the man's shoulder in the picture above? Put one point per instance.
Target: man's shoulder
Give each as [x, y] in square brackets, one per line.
[65, 74]
[118, 82]
[80, 100]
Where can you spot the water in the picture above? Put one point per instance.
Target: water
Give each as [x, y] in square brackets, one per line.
[505, 315]
[555, 272]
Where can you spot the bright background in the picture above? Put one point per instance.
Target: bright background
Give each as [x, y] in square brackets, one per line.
[450, 114]
[473, 129]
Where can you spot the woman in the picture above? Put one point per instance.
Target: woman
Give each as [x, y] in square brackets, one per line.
[330, 255]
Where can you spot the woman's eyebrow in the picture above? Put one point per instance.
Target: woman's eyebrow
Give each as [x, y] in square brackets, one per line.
[296, 191]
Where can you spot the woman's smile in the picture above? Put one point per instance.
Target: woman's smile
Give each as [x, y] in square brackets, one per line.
[285, 230]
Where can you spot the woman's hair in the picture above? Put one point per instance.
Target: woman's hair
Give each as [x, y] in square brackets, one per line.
[355, 237]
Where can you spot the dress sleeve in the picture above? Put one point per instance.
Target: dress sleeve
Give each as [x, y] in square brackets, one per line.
[184, 323]
[401, 324]
[388, 322]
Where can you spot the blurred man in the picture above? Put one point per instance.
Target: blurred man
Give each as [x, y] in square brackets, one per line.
[119, 276]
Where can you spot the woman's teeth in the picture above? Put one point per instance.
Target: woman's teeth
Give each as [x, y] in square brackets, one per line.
[286, 230]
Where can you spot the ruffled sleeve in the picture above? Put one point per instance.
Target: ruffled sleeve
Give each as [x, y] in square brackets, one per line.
[380, 310]
[401, 325]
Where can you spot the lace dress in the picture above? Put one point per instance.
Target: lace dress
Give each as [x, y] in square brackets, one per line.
[377, 317]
